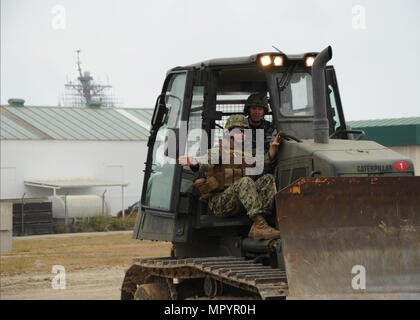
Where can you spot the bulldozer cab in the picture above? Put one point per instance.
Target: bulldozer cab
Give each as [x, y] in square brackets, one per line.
[189, 117]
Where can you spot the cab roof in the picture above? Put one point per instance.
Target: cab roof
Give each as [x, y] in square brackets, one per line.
[222, 62]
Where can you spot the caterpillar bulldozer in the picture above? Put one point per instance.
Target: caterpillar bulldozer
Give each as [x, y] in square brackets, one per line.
[348, 209]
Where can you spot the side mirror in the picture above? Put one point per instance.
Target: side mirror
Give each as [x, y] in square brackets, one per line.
[158, 114]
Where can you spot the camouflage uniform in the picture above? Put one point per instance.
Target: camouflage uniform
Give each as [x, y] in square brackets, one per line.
[243, 194]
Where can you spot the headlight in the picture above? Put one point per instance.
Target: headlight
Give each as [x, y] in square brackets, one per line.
[278, 61]
[310, 61]
[265, 61]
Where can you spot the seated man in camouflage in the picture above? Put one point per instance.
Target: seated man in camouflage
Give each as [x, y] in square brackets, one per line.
[228, 189]
[255, 108]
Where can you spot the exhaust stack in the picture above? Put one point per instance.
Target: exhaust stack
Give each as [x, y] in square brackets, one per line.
[321, 126]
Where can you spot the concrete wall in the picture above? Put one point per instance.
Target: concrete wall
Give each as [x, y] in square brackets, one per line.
[413, 152]
[117, 161]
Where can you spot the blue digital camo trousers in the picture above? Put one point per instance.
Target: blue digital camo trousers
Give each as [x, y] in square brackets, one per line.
[245, 195]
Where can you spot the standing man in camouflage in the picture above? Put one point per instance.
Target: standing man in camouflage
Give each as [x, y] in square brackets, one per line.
[228, 189]
[255, 108]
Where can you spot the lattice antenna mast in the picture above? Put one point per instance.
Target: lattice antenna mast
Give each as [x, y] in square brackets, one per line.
[86, 91]
[78, 63]
[85, 79]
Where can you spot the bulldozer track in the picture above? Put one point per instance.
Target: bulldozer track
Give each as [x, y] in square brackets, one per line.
[247, 275]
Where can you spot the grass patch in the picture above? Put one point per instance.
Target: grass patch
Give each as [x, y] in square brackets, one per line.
[79, 252]
[96, 224]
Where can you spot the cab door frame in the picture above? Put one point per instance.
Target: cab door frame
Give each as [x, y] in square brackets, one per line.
[156, 223]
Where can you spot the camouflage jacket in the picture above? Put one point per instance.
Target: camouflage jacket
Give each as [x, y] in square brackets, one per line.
[218, 157]
[222, 166]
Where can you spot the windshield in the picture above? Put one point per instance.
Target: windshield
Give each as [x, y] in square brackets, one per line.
[295, 94]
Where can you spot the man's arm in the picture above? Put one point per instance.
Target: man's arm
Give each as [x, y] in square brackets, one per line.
[270, 133]
[272, 152]
[189, 161]
[203, 163]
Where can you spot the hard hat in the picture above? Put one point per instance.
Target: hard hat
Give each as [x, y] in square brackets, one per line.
[256, 100]
[236, 120]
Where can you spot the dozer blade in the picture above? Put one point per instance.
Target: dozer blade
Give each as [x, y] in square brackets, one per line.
[351, 238]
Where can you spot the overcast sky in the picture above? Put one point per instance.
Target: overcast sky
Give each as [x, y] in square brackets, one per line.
[133, 43]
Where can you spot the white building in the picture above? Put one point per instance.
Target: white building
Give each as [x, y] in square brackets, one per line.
[53, 146]
[63, 146]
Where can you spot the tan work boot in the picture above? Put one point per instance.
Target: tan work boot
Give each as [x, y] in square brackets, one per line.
[261, 230]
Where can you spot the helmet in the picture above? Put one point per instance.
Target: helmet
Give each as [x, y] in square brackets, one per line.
[256, 100]
[236, 120]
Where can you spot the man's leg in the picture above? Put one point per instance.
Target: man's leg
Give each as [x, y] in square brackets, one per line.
[242, 195]
[225, 204]
[265, 188]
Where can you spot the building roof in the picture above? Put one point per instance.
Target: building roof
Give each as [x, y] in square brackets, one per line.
[71, 183]
[74, 123]
[133, 124]
[385, 122]
[390, 132]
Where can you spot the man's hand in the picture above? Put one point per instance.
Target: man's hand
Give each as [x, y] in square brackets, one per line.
[278, 140]
[187, 161]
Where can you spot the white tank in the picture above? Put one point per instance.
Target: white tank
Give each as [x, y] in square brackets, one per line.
[82, 206]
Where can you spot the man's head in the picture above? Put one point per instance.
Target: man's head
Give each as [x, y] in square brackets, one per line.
[238, 123]
[255, 107]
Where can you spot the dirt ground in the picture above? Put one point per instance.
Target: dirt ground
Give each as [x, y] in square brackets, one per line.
[94, 266]
[88, 284]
